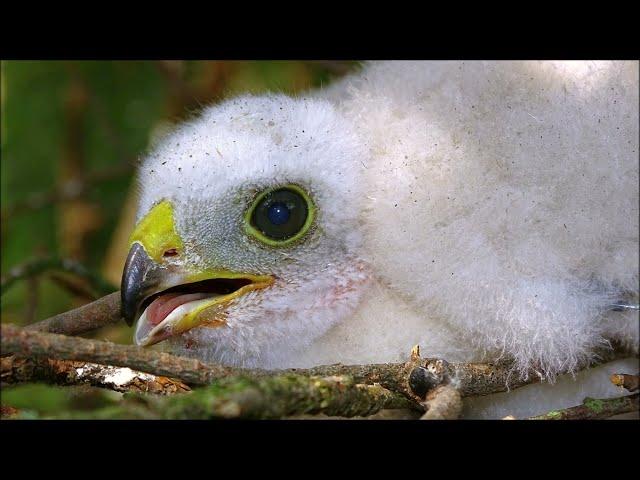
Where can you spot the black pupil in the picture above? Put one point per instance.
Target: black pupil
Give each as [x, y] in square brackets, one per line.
[280, 214]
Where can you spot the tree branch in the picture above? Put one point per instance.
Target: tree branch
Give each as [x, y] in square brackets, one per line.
[104, 311]
[470, 379]
[74, 287]
[265, 398]
[594, 409]
[35, 344]
[64, 372]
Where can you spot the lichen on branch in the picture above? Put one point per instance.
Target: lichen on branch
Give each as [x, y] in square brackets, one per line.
[68, 372]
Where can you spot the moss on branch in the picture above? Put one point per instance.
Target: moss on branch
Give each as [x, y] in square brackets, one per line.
[265, 398]
[594, 409]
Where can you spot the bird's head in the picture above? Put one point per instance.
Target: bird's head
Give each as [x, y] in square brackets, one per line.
[247, 238]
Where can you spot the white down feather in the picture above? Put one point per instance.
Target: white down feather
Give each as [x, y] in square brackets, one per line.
[504, 198]
[496, 204]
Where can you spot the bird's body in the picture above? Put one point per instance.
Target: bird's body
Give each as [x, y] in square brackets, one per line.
[482, 210]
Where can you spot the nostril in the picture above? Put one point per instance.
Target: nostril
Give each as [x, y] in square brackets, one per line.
[172, 252]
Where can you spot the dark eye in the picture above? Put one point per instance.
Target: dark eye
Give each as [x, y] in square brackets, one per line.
[280, 215]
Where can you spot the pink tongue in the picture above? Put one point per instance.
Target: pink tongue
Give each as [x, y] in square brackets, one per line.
[162, 306]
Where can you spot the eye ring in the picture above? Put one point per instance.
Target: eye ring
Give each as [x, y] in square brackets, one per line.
[280, 216]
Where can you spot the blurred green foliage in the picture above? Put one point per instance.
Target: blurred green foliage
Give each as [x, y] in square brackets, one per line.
[88, 122]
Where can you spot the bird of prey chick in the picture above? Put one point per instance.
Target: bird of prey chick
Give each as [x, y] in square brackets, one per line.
[482, 210]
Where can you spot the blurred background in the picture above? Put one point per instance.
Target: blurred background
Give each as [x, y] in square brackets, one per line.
[72, 133]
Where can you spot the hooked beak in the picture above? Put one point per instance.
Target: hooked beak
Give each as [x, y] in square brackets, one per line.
[168, 299]
[140, 279]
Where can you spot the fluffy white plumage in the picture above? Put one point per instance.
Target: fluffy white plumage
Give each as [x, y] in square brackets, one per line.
[479, 209]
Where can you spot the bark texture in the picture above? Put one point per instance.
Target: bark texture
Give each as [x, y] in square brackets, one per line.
[104, 311]
[265, 398]
[65, 372]
[594, 409]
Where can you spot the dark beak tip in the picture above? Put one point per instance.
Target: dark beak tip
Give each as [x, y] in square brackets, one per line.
[127, 309]
[134, 282]
[128, 319]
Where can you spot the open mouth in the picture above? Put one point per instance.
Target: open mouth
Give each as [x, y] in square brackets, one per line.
[182, 307]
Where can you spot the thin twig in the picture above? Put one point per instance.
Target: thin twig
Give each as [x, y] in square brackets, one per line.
[76, 288]
[91, 316]
[41, 265]
[476, 379]
[594, 409]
